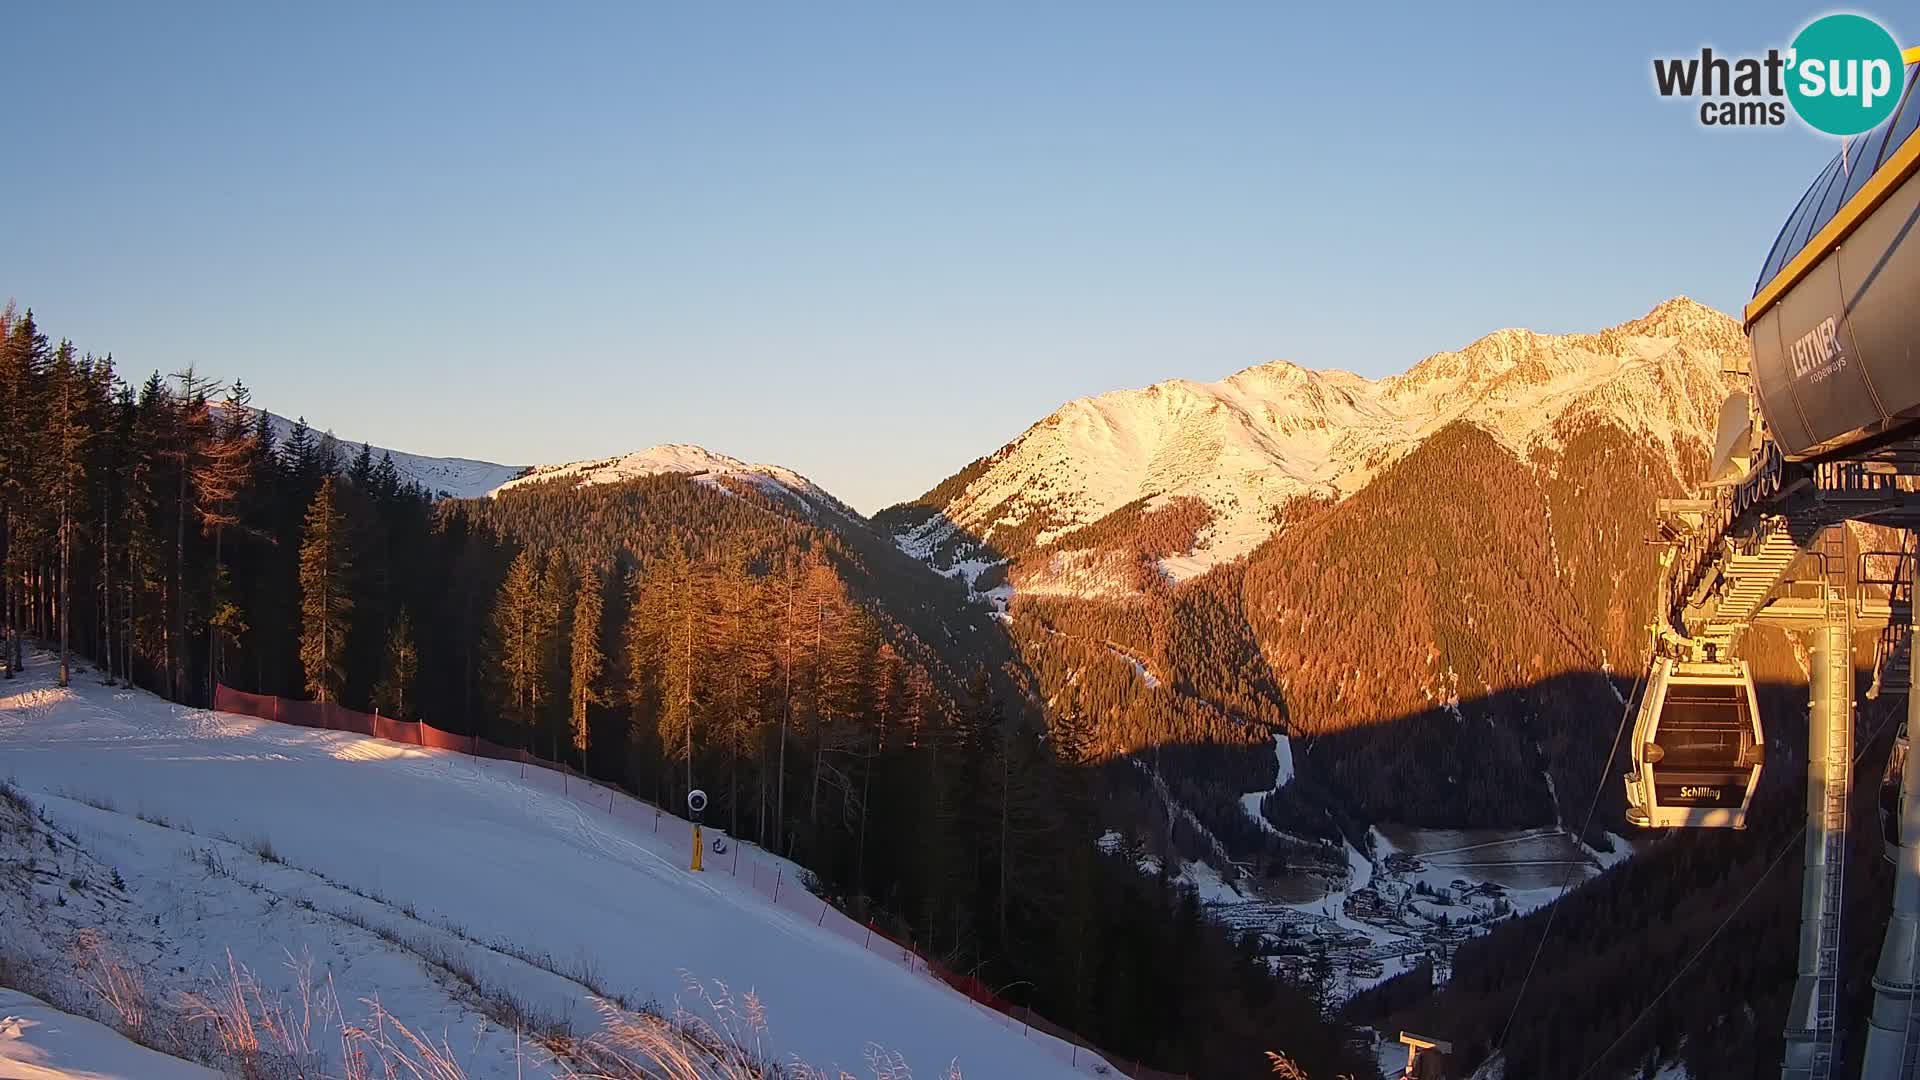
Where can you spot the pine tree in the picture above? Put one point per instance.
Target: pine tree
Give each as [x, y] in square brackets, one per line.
[394, 696]
[587, 659]
[326, 600]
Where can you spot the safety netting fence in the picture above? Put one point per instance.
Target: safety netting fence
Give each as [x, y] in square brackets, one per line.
[771, 878]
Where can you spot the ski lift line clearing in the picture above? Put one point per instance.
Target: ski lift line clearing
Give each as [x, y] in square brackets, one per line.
[1697, 746]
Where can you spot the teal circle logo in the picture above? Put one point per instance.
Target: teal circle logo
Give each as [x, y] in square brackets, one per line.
[1845, 74]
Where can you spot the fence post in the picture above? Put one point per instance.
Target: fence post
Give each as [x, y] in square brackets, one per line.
[776, 884]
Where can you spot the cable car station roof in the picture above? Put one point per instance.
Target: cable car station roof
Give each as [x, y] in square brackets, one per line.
[1858, 179]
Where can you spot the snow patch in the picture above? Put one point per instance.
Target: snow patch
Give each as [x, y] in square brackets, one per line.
[40, 1042]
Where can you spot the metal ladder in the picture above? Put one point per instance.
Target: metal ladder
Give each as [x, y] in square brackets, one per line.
[1837, 760]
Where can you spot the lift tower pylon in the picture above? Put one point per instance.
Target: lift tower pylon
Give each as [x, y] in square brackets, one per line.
[1811, 1018]
[1893, 1035]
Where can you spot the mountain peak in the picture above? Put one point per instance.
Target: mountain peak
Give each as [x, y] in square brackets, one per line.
[1249, 444]
[693, 461]
[1687, 320]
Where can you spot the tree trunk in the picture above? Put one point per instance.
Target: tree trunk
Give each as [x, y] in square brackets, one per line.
[66, 588]
[6, 595]
[176, 598]
[786, 717]
[106, 580]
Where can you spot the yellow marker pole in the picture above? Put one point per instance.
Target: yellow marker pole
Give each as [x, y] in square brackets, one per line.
[696, 847]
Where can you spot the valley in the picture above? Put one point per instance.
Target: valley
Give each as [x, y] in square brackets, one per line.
[1202, 700]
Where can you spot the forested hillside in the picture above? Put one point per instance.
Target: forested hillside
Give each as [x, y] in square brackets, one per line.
[842, 704]
[1444, 635]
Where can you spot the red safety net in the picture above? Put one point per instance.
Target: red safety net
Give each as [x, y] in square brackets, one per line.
[766, 875]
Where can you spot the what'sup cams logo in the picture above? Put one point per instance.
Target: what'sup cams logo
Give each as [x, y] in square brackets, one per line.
[1842, 75]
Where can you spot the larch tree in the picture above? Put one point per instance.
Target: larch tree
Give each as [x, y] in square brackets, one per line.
[660, 652]
[517, 626]
[193, 432]
[587, 660]
[222, 472]
[326, 599]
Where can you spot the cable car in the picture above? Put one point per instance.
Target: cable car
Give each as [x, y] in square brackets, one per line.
[1697, 746]
[1891, 783]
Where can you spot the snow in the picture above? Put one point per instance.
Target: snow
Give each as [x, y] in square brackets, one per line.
[1247, 444]
[1151, 680]
[452, 856]
[1206, 881]
[450, 477]
[40, 1042]
[1250, 802]
[685, 459]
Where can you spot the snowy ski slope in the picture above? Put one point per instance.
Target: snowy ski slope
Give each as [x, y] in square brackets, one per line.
[453, 843]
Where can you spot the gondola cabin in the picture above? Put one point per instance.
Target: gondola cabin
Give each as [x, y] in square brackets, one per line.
[1697, 747]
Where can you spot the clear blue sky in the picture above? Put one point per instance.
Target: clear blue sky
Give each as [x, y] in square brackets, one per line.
[868, 241]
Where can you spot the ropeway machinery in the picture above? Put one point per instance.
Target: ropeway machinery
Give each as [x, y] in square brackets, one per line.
[1828, 435]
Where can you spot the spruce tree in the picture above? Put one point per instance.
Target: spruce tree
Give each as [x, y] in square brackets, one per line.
[23, 357]
[326, 600]
[69, 430]
[395, 695]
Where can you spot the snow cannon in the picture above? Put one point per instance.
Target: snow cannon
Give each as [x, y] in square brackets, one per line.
[1832, 319]
[697, 806]
[1697, 746]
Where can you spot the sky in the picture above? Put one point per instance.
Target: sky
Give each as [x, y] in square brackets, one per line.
[867, 241]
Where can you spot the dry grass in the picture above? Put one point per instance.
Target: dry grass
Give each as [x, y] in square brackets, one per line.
[120, 987]
[238, 1025]
[1288, 1069]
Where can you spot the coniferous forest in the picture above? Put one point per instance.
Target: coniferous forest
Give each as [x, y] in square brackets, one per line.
[841, 704]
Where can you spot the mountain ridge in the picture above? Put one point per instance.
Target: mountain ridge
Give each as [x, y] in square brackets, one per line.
[1249, 443]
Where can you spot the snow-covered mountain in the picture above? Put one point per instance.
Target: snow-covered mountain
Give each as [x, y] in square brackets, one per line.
[704, 465]
[1248, 444]
[447, 477]
[470, 478]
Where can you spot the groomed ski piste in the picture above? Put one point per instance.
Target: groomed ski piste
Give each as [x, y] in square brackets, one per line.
[190, 840]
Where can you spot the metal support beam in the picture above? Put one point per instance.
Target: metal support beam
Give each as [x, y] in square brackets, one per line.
[1893, 1035]
[1811, 1018]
